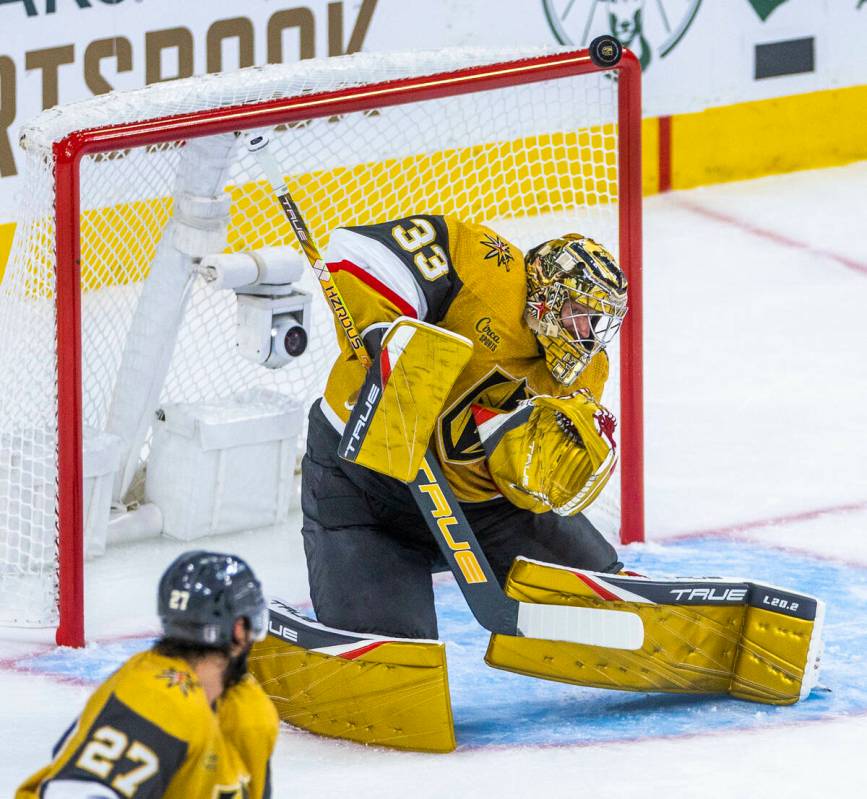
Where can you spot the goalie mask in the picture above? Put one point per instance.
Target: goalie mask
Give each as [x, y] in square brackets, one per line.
[576, 300]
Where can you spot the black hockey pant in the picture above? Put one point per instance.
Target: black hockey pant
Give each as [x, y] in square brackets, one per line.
[370, 554]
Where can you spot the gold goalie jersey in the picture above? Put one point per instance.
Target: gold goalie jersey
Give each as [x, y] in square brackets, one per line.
[470, 280]
[148, 731]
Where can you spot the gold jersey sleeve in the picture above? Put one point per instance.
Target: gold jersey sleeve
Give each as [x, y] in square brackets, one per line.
[249, 721]
[148, 731]
[470, 280]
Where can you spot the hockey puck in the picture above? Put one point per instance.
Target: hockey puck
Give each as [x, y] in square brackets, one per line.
[605, 51]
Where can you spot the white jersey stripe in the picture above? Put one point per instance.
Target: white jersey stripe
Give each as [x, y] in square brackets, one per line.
[331, 415]
[377, 260]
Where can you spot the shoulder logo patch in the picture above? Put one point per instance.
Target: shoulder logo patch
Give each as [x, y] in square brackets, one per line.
[179, 679]
[499, 249]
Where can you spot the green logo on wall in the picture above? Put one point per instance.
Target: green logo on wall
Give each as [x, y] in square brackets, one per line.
[649, 29]
[764, 8]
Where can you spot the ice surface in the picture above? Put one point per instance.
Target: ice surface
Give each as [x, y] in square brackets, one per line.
[756, 380]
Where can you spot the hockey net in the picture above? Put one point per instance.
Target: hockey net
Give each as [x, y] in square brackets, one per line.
[532, 143]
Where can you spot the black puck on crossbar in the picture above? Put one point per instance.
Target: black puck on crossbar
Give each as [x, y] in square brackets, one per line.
[605, 51]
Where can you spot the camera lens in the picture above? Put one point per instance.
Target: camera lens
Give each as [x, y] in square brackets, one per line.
[295, 341]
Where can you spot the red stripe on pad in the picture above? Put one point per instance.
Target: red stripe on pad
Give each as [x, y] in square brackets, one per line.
[378, 286]
[384, 366]
[599, 589]
[356, 653]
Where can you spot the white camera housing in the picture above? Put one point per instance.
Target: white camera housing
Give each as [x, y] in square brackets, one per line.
[273, 317]
[272, 330]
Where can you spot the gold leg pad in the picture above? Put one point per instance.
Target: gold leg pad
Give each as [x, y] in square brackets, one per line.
[395, 694]
[772, 657]
[686, 650]
[752, 641]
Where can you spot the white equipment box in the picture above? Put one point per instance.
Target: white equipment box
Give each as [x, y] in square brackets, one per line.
[224, 466]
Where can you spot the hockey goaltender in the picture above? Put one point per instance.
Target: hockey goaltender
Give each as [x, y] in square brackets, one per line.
[461, 427]
[369, 551]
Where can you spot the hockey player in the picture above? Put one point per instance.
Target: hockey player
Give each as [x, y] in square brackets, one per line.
[183, 718]
[539, 325]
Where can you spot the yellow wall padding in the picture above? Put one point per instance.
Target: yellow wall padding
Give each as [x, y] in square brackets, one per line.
[748, 140]
[7, 232]
[649, 156]
[734, 142]
[528, 176]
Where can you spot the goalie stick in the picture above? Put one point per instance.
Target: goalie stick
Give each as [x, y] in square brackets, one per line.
[437, 503]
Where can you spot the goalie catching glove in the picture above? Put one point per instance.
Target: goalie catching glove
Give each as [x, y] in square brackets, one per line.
[550, 453]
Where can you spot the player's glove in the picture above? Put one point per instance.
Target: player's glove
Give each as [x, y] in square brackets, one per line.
[550, 453]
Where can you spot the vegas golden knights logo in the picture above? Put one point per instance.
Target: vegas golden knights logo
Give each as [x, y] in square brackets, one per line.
[498, 249]
[458, 432]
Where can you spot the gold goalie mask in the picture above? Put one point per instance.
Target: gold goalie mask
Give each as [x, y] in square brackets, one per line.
[576, 300]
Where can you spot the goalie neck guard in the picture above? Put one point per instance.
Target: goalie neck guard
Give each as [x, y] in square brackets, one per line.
[576, 300]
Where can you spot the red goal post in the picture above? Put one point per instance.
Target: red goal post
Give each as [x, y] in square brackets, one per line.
[296, 114]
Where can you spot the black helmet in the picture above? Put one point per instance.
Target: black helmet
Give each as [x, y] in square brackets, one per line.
[202, 594]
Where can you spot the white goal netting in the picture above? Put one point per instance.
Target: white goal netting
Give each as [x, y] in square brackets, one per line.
[532, 160]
